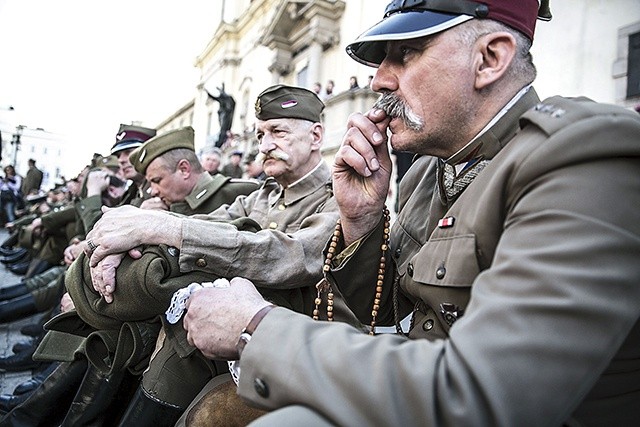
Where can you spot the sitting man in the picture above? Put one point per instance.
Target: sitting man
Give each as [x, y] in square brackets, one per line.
[515, 249]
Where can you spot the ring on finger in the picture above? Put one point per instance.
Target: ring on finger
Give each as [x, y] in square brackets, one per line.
[92, 246]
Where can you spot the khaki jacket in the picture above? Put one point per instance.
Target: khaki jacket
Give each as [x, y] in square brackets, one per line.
[526, 306]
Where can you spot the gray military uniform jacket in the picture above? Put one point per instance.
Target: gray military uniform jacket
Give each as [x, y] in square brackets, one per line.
[527, 298]
[286, 256]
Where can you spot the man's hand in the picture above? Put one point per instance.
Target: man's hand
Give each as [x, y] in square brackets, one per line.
[216, 317]
[361, 173]
[66, 303]
[97, 182]
[103, 275]
[124, 228]
[72, 252]
[154, 203]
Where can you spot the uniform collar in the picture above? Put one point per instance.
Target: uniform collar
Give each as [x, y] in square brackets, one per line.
[206, 186]
[498, 131]
[307, 185]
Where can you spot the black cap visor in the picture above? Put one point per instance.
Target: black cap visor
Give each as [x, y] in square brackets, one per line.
[369, 47]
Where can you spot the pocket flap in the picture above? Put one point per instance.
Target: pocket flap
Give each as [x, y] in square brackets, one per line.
[450, 261]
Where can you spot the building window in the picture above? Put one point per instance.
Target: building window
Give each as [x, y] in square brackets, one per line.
[633, 66]
[302, 77]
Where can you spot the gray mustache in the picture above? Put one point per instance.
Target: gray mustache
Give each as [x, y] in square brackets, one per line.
[395, 107]
[276, 155]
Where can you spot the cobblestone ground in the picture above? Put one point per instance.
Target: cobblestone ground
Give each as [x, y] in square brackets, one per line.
[10, 332]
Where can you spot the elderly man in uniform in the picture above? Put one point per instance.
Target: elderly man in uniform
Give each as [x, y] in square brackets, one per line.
[515, 249]
[292, 208]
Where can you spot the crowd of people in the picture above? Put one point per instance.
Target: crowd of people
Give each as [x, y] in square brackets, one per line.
[180, 295]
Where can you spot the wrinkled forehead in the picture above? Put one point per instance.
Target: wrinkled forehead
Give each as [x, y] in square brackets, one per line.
[269, 125]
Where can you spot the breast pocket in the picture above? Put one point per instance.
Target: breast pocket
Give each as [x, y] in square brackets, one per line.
[450, 261]
[441, 275]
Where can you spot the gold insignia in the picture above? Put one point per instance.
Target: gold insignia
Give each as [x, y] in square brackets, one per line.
[258, 107]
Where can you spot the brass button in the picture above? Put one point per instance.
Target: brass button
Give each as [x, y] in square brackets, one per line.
[427, 325]
[281, 207]
[440, 272]
[261, 387]
[173, 251]
[410, 270]
[273, 225]
[201, 262]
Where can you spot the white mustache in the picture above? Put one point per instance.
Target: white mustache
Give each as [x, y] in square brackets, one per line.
[275, 154]
[393, 106]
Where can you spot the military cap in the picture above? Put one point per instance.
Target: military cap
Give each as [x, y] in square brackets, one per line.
[288, 102]
[110, 162]
[130, 136]
[410, 19]
[142, 156]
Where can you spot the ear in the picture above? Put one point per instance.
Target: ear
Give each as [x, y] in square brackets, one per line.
[184, 167]
[317, 133]
[495, 52]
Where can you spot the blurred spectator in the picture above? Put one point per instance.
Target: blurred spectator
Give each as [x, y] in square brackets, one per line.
[369, 79]
[253, 167]
[9, 192]
[317, 88]
[328, 90]
[233, 169]
[32, 180]
[353, 83]
[211, 160]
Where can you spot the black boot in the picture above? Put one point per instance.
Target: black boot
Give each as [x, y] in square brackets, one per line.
[145, 411]
[21, 346]
[17, 308]
[19, 362]
[10, 401]
[5, 252]
[13, 291]
[37, 266]
[49, 403]
[94, 396]
[28, 386]
[33, 329]
[19, 268]
[16, 256]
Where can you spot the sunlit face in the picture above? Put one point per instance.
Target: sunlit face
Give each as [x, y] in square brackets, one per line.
[287, 147]
[126, 168]
[433, 77]
[170, 186]
[211, 162]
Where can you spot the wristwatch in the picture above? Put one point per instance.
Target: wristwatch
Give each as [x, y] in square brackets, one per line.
[245, 335]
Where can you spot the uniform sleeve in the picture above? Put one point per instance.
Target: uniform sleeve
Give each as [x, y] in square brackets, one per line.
[269, 258]
[544, 322]
[89, 211]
